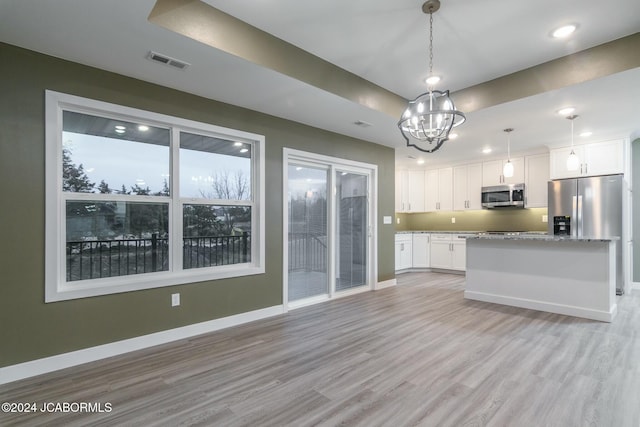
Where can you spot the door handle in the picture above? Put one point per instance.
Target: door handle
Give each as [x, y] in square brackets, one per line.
[574, 216]
[580, 222]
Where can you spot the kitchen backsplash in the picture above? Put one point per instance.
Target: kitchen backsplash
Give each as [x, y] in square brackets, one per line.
[481, 220]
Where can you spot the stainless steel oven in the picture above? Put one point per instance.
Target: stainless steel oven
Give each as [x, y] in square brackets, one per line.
[500, 196]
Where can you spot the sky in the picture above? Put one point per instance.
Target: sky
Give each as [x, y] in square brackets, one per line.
[119, 162]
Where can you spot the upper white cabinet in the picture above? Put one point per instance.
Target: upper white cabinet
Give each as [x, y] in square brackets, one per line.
[492, 172]
[597, 158]
[409, 191]
[416, 191]
[401, 185]
[537, 176]
[438, 194]
[467, 187]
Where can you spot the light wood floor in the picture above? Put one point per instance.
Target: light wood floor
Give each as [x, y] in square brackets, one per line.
[415, 354]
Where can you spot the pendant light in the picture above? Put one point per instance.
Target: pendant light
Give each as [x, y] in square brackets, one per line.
[507, 171]
[573, 162]
[428, 119]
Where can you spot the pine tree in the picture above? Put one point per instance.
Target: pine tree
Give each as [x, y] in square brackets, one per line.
[103, 188]
[74, 178]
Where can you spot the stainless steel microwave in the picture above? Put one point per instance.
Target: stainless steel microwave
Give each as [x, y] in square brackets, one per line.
[501, 196]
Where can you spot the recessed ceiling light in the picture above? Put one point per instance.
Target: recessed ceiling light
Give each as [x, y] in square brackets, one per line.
[120, 131]
[586, 134]
[237, 144]
[244, 150]
[566, 111]
[431, 80]
[120, 127]
[453, 135]
[563, 31]
[421, 161]
[143, 128]
[486, 150]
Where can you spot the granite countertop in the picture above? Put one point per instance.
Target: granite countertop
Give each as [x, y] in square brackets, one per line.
[437, 232]
[543, 237]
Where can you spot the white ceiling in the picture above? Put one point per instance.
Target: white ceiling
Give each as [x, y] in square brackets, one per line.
[385, 42]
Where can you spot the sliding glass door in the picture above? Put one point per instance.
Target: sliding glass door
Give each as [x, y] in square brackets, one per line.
[308, 274]
[351, 204]
[328, 228]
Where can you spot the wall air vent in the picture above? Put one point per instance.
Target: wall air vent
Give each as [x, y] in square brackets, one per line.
[167, 60]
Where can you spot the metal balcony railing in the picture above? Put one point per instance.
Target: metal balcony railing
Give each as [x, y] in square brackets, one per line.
[93, 259]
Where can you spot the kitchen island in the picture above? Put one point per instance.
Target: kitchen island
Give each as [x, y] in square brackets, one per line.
[557, 274]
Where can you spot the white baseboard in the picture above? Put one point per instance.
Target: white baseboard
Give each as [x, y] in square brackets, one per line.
[603, 316]
[635, 286]
[60, 361]
[385, 284]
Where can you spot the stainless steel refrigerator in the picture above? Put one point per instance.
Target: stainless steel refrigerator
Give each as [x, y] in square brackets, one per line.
[589, 207]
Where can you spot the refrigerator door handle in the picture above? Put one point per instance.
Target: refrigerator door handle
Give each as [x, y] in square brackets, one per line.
[580, 221]
[574, 216]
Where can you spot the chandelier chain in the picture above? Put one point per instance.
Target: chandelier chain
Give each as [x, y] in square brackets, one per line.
[430, 44]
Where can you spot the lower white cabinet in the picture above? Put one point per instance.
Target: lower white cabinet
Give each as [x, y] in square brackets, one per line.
[421, 250]
[404, 253]
[448, 251]
[430, 250]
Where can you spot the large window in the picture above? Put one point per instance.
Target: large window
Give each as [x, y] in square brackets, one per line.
[138, 200]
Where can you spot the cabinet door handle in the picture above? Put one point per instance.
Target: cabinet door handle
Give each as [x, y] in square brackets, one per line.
[401, 247]
[409, 206]
[586, 169]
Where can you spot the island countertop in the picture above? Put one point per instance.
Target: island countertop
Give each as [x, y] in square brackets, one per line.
[541, 236]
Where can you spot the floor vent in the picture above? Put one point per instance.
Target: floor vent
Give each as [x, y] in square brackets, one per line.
[167, 60]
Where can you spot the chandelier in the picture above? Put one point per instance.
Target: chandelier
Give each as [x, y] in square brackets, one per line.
[428, 119]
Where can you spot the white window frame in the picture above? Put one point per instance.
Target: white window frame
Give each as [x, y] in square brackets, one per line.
[56, 286]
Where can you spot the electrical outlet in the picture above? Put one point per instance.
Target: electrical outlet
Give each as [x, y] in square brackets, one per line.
[175, 300]
[545, 218]
[453, 220]
[398, 220]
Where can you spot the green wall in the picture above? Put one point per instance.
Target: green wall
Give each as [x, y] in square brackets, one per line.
[31, 329]
[480, 220]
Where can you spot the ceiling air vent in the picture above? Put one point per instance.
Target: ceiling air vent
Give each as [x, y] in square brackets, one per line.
[167, 60]
[362, 124]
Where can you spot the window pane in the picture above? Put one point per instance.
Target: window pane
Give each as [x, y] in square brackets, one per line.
[102, 155]
[216, 235]
[107, 239]
[214, 168]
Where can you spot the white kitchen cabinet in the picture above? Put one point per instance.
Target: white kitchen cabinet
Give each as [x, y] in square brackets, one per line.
[537, 177]
[459, 254]
[409, 191]
[467, 187]
[415, 182]
[596, 158]
[402, 190]
[421, 250]
[404, 256]
[448, 251]
[492, 172]
[439, 190]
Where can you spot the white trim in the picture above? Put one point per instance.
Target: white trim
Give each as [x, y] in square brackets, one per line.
[636, 286]
[56, 286]
[61, 361]
[603, 316]
[385, 284]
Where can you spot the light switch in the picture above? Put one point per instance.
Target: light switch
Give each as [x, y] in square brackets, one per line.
[453, 220]
[387, 220]
[545, 218]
